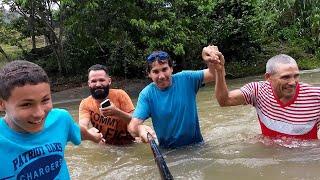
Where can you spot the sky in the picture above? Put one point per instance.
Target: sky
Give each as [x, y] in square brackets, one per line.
[54, 6]
[5, 6]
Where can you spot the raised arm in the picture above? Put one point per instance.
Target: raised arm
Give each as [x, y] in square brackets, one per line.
[210, 58]
[224, 97]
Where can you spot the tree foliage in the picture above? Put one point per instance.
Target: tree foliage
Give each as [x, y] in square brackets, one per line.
[121, 33]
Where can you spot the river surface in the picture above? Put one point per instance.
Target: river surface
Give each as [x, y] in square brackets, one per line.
[234, 148]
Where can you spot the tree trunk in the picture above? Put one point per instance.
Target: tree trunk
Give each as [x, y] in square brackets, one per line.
[60, 40]
[54, 40]
[58, 58]
[33, 38]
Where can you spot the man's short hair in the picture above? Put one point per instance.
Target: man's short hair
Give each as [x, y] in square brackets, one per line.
[161, 57]
[19, 73]
[278, 59]
[98, 67]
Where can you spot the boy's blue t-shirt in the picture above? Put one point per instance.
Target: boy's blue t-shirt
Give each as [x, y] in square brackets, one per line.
[38, 155]
[173, 110]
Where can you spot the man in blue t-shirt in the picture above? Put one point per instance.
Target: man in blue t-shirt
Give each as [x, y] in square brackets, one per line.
[171, 101]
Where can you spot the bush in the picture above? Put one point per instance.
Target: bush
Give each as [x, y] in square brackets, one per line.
[309, 63]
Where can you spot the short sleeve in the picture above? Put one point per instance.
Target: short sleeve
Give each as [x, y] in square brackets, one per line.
[74, 134]
[249, 91]
[142, 110]
[126, 104]
[84, 112]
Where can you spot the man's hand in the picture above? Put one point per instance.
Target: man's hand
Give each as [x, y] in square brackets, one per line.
[143, 133]
[111, 110]
[209, 54]
[219, 66]
[213, 57]
[96, 135]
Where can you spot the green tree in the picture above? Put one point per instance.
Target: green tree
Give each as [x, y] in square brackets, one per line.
[8, 35]
[236, 29]
[38, 17]
[100, 32]
[2, 34]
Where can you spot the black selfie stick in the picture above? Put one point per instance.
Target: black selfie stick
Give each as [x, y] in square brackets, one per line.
[158, 158]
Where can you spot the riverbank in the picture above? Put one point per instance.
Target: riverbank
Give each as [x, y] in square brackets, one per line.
[73, 90]
[76, 88]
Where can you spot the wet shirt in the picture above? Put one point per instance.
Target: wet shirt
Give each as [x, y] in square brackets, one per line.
[298, 118]
[113, 128]
[173, 110]
[38, 155]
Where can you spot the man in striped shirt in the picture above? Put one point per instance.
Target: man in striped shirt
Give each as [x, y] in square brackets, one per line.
[285, 106]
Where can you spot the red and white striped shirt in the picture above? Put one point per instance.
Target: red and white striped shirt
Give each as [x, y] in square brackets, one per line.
[298, 118]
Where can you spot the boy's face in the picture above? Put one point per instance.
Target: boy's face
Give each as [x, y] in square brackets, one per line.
[27, 107]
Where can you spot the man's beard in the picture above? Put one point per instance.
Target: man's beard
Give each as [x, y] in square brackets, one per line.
[99, 93]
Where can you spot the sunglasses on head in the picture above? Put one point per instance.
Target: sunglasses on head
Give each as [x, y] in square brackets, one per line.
[161, 55]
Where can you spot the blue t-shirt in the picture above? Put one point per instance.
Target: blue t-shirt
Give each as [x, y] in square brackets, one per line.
[173, 110]
[38, 155]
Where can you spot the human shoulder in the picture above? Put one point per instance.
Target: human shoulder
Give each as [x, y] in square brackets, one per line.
[88, 101]
[148, 88]
[118, 94]
[189, 72]
[59, 117]
[188, 75]
[257, 84]
[57, 112]
[89, 98]
[113, 92]
[148, 91]
[255, 87]
[309, 87]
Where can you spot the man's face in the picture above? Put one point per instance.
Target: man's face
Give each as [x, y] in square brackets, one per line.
[161, 74]
[27, 107]
[99, 82]
[284, 80]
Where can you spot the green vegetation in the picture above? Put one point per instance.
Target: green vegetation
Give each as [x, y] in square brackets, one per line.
[2, 62]
[120, 33]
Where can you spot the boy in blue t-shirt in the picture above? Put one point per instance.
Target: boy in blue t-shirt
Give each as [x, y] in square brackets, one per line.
[171, 101]
[33, 134]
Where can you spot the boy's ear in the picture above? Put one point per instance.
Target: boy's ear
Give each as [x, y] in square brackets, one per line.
[2, 106]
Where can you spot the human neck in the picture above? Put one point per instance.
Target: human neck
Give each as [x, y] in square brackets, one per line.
[286, 99]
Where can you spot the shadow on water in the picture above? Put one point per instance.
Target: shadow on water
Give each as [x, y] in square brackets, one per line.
[233, 148]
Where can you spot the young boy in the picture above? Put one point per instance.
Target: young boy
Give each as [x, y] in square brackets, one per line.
[33, 134]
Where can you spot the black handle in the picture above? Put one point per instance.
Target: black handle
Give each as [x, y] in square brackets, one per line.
[158, 158]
